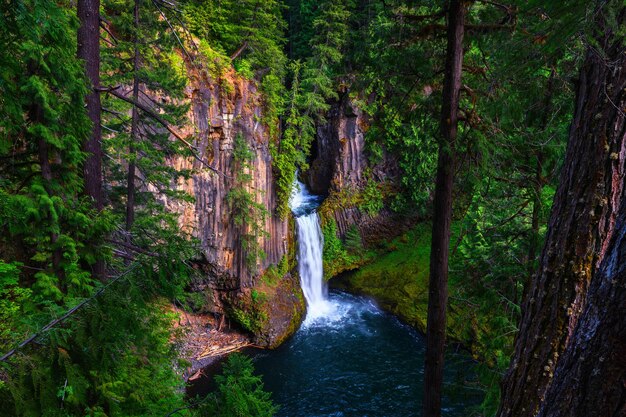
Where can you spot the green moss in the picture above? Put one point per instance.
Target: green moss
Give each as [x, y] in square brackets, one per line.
[369, 199]
[272, 310]
[398, 280]
[252, 318]
[337, 257]
[273, 273]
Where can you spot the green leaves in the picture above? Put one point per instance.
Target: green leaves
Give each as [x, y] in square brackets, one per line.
[240, 392]
[247, 214]
[12, 297]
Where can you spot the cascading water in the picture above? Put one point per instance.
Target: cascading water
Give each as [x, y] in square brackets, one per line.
[310, 245]
[349, 359]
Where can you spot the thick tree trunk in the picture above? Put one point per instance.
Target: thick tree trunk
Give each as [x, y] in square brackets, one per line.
[590, 379]
[581, 225]
[89, 51]
[442, 214]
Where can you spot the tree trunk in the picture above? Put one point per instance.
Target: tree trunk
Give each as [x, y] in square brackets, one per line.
[442, 214]
[590, 379]
[88, 12]
[134, 130]
[89, 51]
[581, 223]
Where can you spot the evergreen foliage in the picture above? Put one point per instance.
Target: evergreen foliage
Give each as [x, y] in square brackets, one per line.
[45, 220]
[313, 85]
[248, 214]
[239, 393]
[114, 357]
[354, 243]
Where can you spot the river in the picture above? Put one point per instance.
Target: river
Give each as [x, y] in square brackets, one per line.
[349, 358]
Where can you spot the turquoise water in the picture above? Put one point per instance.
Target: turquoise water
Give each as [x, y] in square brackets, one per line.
[359, 361]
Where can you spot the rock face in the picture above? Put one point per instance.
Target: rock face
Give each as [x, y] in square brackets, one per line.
[340, 168]
[338, 159]
[219, 112]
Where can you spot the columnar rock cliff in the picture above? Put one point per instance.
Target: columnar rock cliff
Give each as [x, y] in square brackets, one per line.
[341, 169]
[219, 112]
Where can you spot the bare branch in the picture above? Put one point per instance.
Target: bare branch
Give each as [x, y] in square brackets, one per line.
[106, 29]
[173, 30]
[239, 51]
[113, 91]
[64, 317]
[133, 248]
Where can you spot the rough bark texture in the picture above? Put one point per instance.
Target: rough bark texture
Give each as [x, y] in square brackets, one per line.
[442, 214]
[590, 378]
[88, 12]
[580, 227]
[89, 51]
[216, 117]
[338, 167]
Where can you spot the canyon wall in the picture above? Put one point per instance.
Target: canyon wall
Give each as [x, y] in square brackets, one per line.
[219, 112]
[341, 169]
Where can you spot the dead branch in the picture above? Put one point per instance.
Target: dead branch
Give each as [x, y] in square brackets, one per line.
[172, 29]
[64, 317]
[132, 247]
[239, 51]
[107, 30]
[113, 91]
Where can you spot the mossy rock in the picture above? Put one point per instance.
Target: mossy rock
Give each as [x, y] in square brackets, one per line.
[271, 311]
[398, 281]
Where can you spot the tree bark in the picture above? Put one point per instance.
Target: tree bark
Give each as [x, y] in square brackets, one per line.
[88, 12]
[442, 214]
[581, 224]
[590, 378]
[89, 51]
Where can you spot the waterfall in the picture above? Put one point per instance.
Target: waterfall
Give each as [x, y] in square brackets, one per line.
[310, 246]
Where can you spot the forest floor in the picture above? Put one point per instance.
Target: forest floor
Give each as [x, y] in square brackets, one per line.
[203, 339]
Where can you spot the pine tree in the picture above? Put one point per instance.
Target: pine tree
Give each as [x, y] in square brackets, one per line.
[442, 212]
[44, 216]
[144, 71]
[312, 87]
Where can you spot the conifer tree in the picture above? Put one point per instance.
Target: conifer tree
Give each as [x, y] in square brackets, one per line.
[44, 126]
[145, 75]
[313, 87]
[582, 221]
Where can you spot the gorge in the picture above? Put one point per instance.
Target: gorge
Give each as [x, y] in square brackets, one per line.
[349, 358]
[317, 199]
